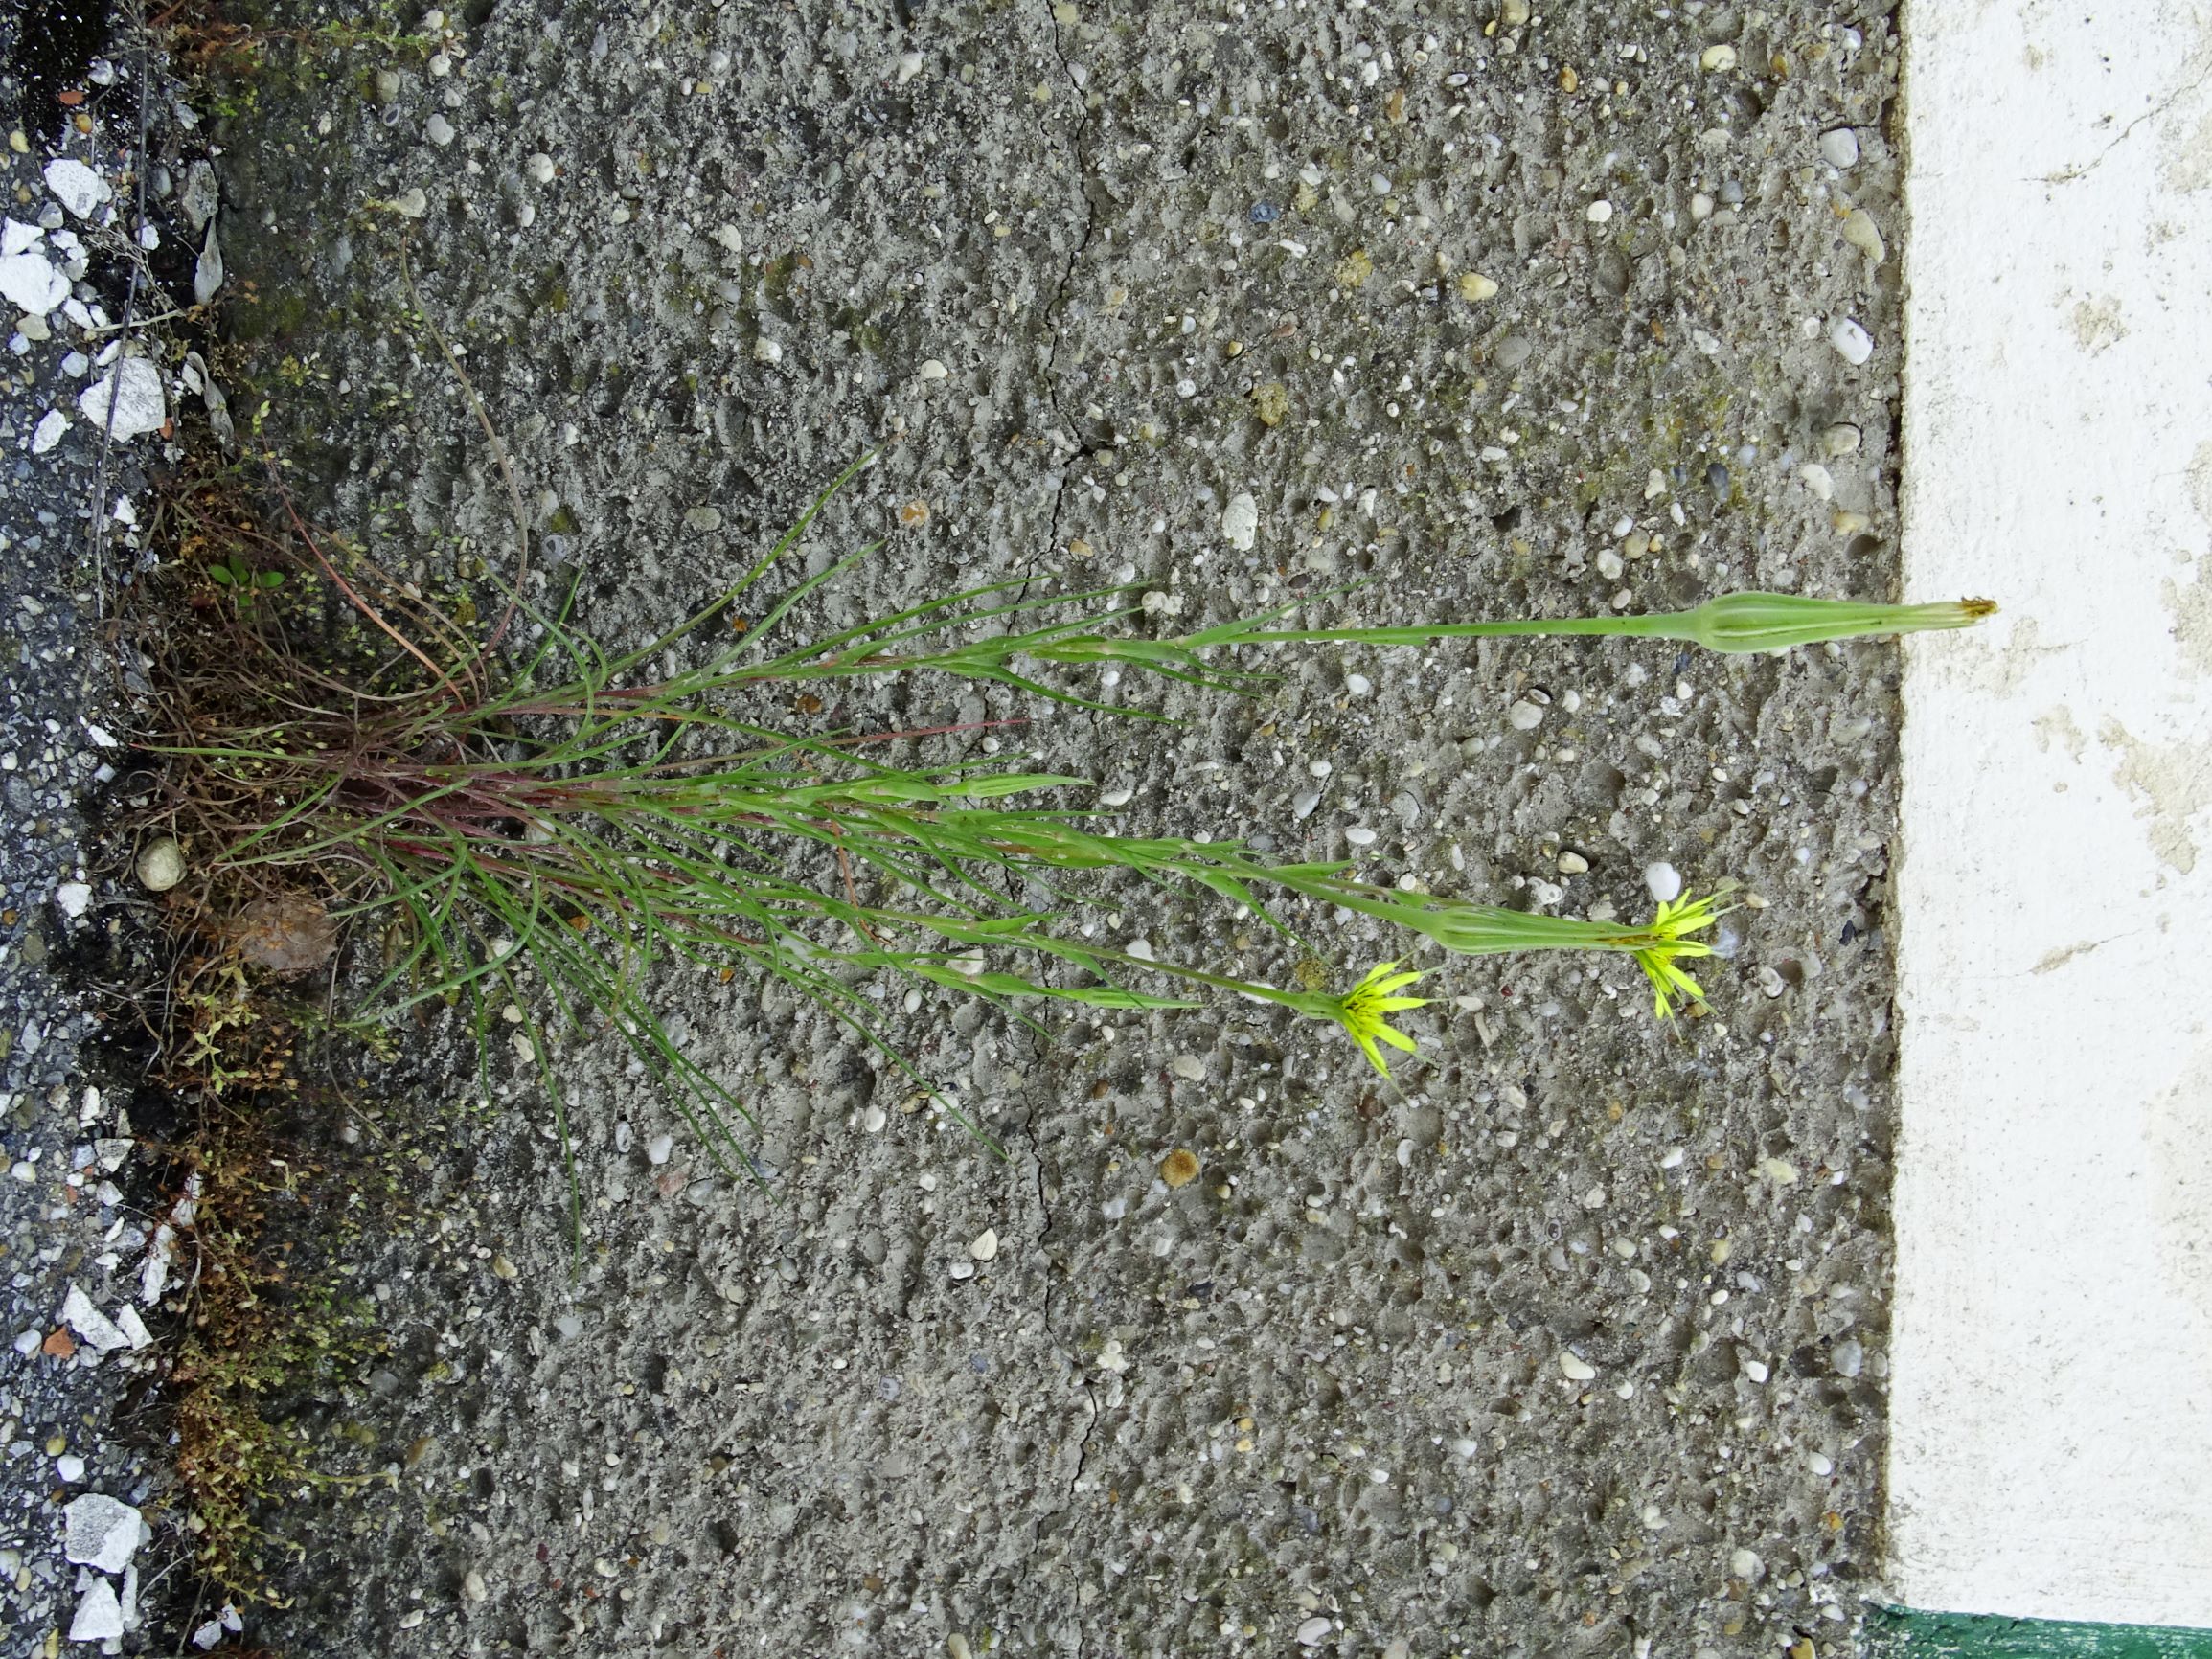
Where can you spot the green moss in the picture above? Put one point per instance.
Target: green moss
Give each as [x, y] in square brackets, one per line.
[276, 315]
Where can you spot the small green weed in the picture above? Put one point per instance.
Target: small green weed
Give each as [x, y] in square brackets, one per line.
[267, 1315]
[245, 583]
[530, 833]
[573, 819]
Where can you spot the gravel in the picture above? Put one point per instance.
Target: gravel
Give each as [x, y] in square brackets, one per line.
[78, 1470]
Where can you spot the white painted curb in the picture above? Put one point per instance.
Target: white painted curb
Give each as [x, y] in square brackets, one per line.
[2051, 1451]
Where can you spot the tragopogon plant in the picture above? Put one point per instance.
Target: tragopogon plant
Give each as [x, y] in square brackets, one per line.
[562, 809]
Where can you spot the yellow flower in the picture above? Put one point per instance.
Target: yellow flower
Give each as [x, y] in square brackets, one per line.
[1669, 941]
[1361, 1011]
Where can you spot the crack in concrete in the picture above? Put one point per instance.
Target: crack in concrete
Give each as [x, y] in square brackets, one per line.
[1044, 1204]
[2082, 170]
[1056, 306]
[1060, 437]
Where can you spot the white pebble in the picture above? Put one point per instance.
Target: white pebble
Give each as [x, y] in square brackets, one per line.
[1524, 715]
[76, 187]
[1572, 864]
[439, 132]
[99, 1616]
[1599, 211]
[932, 370]
[1240, 522]
[1840, 147]
[134, 387]
[1358, 685]
[540, 167]
[659, 1147]
[1754, 1369]
[1852, 343]
[1576, 1369]
[768, 350]
[74, 897]
[1321, 769]
[1718, 57]
[1314, 1632]
[1359, 835]
[985, 1245]
[53, 426]
[1820, 1465]
[1663, 881]
[1116, 797]
[31, 282]
[98, 1530]
[1747, 1565]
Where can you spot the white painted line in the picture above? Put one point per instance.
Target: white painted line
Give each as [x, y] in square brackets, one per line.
[2051, 1450]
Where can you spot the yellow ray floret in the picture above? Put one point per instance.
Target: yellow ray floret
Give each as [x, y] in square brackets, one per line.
[1362, 1010]
[1669, 942]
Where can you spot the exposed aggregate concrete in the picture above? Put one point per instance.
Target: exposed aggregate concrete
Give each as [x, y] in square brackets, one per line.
[1575, 1345]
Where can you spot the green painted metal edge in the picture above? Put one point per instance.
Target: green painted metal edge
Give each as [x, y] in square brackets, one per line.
[1901, 1633]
